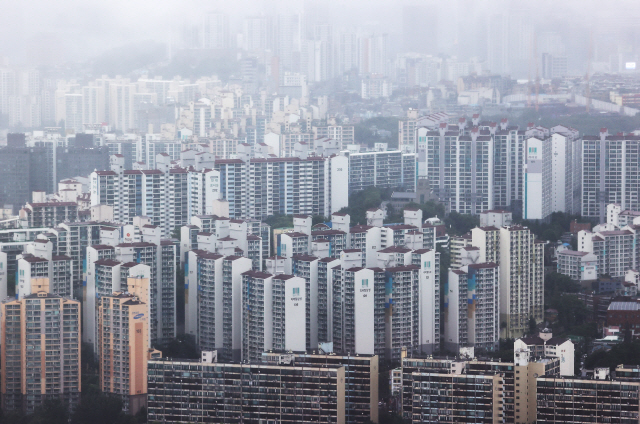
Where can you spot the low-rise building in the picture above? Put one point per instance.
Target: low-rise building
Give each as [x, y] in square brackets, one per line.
[578, 400]
[579, 266]
[195, 391]
[361, 379]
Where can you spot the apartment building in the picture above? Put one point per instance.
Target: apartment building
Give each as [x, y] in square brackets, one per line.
[577, 400]
[273, 314]
[387, 169]
[579, 266]
[123, 348]
[48, 214]
[472, 304]
[472, 390]
[40, 358]
[250, 238]
[56, 269]
[476, 400]
[521, 280]
[459, 247]
[213, 301]
[262, 187]
[167, 196]
[609, 173]
[538, 179]
[306, 267]
[459, 168]
[132, 251]
[203, 298]
[614, 249]
[161, 260]
[361, 379]
[325, 297]
[508, 171]
[407, 127]
[343, 134]
[358, 311]
[235, 393]
[545, 345]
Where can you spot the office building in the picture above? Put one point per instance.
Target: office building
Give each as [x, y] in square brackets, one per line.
[235, 393]
[22, 171]
[554, 66]
[41, 358]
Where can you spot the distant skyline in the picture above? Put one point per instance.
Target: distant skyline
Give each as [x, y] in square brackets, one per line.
[40, 32]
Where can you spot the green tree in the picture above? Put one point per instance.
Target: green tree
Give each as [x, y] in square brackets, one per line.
[182, 347]
[360, 201]
[319, 219]
[556, 283]
[13, 417]
[623, 353]
[390, 418]
[52, 411]
[532, 326]
[99, 409]
[141, 416]
[459, 224]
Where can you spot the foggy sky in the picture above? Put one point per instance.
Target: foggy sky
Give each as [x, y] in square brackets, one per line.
[33, 31]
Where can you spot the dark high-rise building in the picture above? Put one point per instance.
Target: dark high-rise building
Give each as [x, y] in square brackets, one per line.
[83, 140]
[16, 140]
[79, 161]
[22, 171]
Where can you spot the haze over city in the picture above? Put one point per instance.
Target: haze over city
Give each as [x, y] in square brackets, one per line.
[277, 212]
[36, 32]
